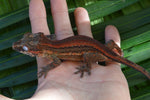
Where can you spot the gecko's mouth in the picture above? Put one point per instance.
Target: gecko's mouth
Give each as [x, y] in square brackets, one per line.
[27, 53]
[16, 48]
[16, 45]
[22, 49]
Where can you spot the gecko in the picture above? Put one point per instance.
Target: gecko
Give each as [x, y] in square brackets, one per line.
[75, 48]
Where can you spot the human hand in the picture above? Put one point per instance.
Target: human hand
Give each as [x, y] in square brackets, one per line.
[105, 83]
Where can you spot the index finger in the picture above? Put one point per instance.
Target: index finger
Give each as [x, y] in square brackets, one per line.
[38, 21]
[61, 19]
[37, 15]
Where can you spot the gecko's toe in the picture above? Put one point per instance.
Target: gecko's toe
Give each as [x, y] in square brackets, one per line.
[43, 72]
[82, 70]
[40, 75]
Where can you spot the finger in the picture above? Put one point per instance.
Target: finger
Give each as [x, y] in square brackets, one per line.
[61, 19]
[83, 22]
[37, 16]
[111, 33]
[38, 21]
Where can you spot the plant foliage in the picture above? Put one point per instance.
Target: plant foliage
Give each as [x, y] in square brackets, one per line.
[18, 78]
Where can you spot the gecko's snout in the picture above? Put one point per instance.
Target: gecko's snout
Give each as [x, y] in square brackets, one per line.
[13, 45]
[16, 45]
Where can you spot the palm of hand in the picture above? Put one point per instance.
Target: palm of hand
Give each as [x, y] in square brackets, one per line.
[105, 83]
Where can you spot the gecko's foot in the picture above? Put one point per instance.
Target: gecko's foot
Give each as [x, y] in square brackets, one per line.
[43, 72]
[81, 70]
[114, 47]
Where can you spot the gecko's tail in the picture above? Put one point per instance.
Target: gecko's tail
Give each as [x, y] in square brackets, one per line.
[134, 66]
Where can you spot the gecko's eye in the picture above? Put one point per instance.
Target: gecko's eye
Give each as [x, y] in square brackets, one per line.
[25, 48]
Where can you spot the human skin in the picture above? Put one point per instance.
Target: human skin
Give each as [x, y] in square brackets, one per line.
[104, 83]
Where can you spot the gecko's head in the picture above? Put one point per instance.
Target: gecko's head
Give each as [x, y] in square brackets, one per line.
[29, 44]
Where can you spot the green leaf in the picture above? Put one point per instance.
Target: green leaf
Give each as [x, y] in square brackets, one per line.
[133, 8]
[103, 8]
[18, 4]
[24, 90]
[6, 39]
[132, 18]
[20, 77]
[138, 39]
[137, 49]
[138, 53]
[15, 59]
[135, 32]
[124, 24]
[143, 97]
[4, 7]
[134, 77]
[14, 17]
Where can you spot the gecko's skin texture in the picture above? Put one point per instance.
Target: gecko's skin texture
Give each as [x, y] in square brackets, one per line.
[75, 48]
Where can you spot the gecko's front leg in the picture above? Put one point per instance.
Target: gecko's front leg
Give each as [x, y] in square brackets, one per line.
[44, 70]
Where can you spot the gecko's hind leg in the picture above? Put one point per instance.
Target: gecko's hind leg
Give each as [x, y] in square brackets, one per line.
[88, 59]
[83, 69]
[114, 47]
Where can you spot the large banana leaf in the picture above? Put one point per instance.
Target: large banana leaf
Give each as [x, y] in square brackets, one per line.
[132, 18]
